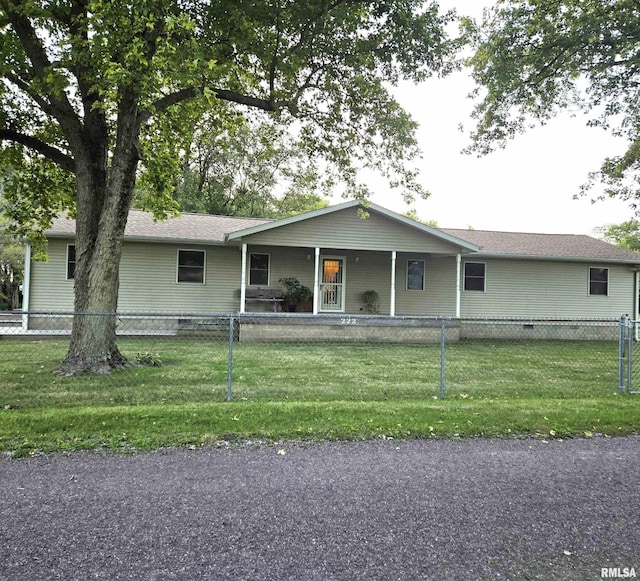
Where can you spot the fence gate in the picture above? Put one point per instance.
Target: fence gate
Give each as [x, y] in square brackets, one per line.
[628, 345]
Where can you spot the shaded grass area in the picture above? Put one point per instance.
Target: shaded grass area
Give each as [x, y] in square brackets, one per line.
[311, 391]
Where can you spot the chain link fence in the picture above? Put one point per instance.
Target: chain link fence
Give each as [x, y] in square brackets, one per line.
[629, 355]
[300, 357]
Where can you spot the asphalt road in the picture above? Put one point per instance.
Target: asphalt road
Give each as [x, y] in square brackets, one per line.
[388, 510]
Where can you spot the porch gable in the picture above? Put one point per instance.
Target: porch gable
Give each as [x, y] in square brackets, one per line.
[343, 227]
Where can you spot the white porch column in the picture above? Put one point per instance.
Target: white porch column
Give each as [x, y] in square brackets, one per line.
[243, 280]
[392, 306]
[316, 282]
[458, 284]
[26, 287]
[636, 302]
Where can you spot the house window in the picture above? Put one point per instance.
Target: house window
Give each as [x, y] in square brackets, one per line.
[415, 274]
[258, 269]
[599, 281]
[191, 266]
[474, 276]
[71, 262]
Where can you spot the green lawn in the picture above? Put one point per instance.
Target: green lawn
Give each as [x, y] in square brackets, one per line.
[312, 391]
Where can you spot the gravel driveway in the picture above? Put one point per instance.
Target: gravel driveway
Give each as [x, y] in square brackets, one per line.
[463, 510]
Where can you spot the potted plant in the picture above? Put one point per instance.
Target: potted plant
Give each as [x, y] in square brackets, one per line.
[371, 301]
[295, 292]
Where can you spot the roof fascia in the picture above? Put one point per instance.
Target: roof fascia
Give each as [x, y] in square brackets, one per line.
[165, 240]
[152, 239]
[592, 260]
[54, 234]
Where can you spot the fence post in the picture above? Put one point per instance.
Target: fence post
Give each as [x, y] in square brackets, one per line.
[230, 359]
[630, 336]
[621, 354]
[443, 332]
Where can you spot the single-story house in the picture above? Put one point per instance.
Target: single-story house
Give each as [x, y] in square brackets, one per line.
[214, 264]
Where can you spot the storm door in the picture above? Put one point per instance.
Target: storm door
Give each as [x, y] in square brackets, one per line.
[332, 287]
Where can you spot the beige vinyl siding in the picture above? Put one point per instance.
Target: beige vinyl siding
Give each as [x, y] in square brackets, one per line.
[148, 279]
[371, 271]
[284, 262]
[526, 288]
[514, 288]
[345, 229]
[439, 295]
[366, 270]
[50, 290]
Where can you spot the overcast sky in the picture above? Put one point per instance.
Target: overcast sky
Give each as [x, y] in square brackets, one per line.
[528, 187]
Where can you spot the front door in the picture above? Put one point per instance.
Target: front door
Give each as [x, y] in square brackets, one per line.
[332, 287]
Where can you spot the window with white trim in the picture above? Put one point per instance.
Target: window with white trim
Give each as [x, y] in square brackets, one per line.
[258, 269]
[415, 274]
[71, 261]
[474, 276]
[598, 281]
[191, 266]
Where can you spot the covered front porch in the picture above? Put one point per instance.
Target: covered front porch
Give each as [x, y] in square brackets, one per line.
[341, 281]
[341, 252]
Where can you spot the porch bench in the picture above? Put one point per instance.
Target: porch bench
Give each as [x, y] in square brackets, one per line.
[264, 295]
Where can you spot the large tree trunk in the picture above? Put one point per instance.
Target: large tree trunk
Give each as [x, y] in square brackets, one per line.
[104, 195]
[93, 345]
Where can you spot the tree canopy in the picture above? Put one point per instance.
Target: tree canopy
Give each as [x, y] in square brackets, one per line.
[626, 234]
[253, 168]
[534, 58]
[74, 70]
[11, 270]
[96, 94]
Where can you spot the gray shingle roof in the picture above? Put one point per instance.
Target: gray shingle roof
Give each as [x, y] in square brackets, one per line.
[185, 228]
[212, 229]
[563, 246]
